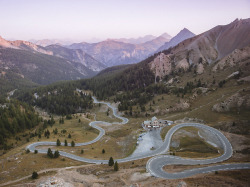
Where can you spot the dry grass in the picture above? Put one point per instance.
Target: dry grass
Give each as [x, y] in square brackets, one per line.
[80, 132]
[202, 107]
[120, 142]
[191, 145]
[114, 145]
[24, 164]
[165, 130]
[223, 178]
[101, 113]
[163, 101]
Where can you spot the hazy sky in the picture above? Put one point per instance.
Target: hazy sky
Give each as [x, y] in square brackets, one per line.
[85, 19]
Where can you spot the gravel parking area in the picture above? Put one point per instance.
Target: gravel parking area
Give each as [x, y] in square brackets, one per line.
[149, 141]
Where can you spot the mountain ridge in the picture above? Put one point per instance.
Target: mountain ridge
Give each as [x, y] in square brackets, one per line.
[112, 52]
[80, 60]
[197, 55]
[181, 36]
[142, 39]
[77, 56]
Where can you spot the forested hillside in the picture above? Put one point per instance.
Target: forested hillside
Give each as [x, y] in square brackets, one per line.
[11, 80]
[15, 117]
[129, 84]
[60, 98]
[136, 77]
[114, 70]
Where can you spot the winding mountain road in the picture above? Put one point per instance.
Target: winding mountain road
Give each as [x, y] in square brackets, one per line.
[155, 164]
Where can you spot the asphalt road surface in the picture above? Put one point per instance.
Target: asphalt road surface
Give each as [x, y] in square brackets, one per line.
[155, 164]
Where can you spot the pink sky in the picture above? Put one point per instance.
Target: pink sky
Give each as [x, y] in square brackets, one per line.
[85, 19]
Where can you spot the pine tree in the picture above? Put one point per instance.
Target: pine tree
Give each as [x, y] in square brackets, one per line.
[49, 153]
[69, 136]
[56, 154]
[103, 151]
[73, 144]
[55, 131]
[34, 175]
[65, 143]
[52, 120]
[58, 143]
[82, 151]
[111, 161]
[116, 167]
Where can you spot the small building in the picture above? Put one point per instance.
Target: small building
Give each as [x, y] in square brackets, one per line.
[153, 123]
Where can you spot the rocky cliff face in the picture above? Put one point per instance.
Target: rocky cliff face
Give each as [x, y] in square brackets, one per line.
[161, 66]
[213, 47]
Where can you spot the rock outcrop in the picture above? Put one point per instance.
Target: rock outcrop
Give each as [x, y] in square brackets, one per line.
[161, 66]
[239, 100]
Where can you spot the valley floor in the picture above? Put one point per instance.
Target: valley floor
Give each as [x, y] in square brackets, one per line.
[16, 164]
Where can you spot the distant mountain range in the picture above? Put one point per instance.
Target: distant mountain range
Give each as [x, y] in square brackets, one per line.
[139, 40]
[79, 58]
[46, 42]
[143, 39]
[27, 64]
[54, 60]
[114, 52]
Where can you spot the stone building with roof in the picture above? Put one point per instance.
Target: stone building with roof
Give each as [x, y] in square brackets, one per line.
[155, 123]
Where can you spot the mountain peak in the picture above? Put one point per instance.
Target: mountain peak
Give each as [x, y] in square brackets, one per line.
[166, 35]
[185, 33]
[184, 30]
[181, 36]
